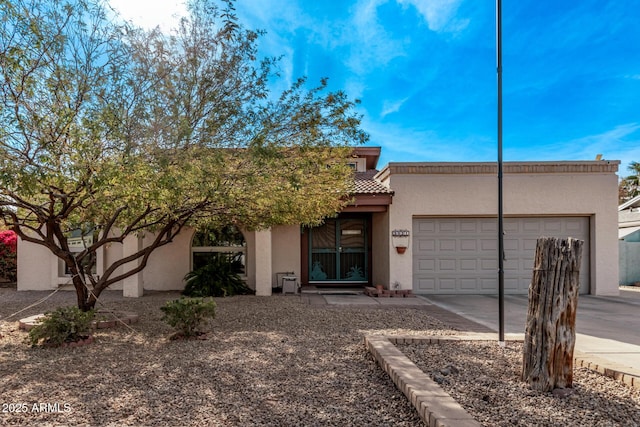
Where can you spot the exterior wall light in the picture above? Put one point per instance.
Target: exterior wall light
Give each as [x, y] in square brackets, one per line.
[400, 240]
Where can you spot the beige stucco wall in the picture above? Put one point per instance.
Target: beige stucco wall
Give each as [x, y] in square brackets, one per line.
[530, 189]
[34, 267]
[38, 268]
[380, 244]
[168, 264]
[111, 253]
[285, 247]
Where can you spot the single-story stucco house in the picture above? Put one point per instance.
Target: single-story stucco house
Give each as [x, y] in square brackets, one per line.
[429, 227]
[629, 241]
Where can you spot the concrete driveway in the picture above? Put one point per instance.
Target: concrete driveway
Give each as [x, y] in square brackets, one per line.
[607, 327]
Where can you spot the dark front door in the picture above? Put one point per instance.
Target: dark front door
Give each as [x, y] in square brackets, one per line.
[338, 251]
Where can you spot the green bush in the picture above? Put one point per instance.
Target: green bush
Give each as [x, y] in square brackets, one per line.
[219, 278]
[189, 315]
[64, 324]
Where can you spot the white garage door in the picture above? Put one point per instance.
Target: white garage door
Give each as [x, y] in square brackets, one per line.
[459, 255]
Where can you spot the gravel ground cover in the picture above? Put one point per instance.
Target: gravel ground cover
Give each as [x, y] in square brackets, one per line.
[268, 361]
[485, 379]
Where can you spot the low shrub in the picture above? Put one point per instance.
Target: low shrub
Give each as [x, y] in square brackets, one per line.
[219, 278]
[64, 324]
[189, 315]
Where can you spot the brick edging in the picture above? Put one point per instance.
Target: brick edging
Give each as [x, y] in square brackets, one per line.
[435, 407]
[607, 368]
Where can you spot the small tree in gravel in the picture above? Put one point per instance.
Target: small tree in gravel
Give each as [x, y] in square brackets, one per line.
[189, 315]
[114, 131]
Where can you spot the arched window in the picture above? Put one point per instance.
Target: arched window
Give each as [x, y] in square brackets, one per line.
[226, 241]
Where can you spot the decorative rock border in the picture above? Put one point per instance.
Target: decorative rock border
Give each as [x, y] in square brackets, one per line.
[126, 317]
[435, 406]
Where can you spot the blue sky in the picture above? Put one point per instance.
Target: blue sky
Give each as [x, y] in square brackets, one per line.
[425, 72]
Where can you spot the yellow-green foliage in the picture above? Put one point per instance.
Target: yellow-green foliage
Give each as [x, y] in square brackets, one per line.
[131, 131]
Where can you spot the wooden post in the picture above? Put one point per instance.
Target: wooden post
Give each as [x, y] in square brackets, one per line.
[550, 329]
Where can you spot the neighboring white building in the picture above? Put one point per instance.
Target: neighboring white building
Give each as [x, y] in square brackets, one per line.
[629, 241]
[443, 213]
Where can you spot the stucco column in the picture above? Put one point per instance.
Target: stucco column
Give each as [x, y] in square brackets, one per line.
[132, 286]
[263, 263]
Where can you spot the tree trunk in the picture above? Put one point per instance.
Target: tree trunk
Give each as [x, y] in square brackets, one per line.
[84, 299]
[550, 328]
[82, 294]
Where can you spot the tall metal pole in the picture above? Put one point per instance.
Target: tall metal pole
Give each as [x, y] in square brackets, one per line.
[500, 211]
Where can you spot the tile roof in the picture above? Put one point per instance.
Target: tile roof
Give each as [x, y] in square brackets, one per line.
[365, 183]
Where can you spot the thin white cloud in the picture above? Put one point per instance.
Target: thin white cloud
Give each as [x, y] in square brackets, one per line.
[620, 143]
[355, 88]
[602, 141]
[280, 20]
[440, 15]
[389, 107]
[426, 145]
[371, 45]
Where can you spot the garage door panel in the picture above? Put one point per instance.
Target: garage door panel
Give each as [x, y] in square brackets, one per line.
[426, 284]
[426, 245]
[574, 226]
[428, 265]
[524, 285]
[468, 245]
[553, 226]
[489, 245]
[490, 264]
[469, 264]
[510, 226]
[488, 284]
[447, 284]
[460, 254]
[532, 226]
[512, 265]
[468, 284]
[469, 227]
[511, 284]
[447, 226]
[448, 245]
[489, 225]
[529, 244]
[527, 264]
[427, 226]
[447, 265]
[511, 244]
